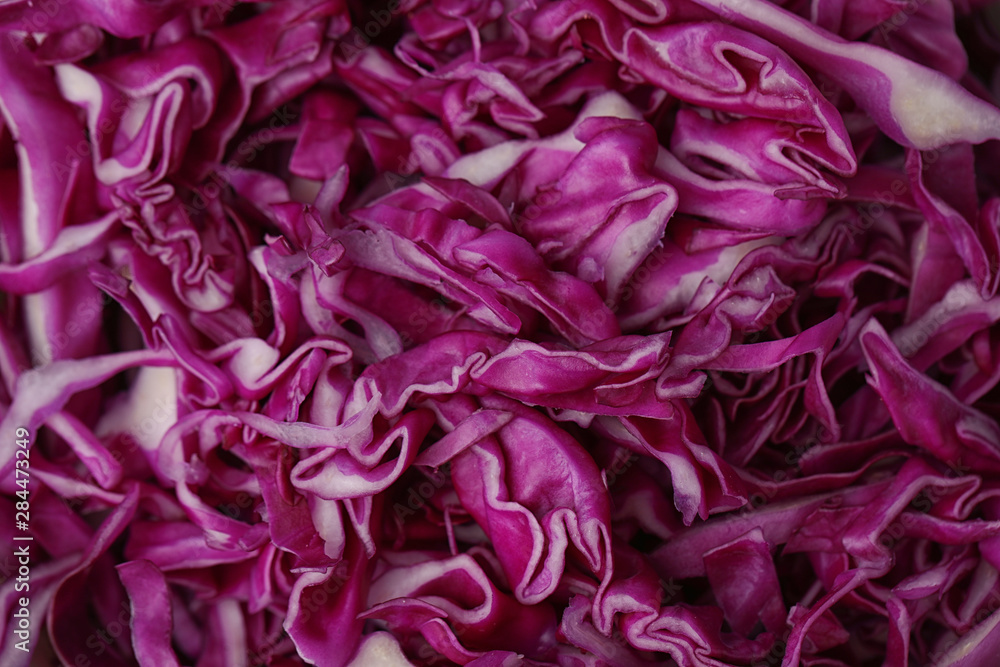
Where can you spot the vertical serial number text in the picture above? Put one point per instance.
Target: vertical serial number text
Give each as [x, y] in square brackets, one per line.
[22, 537]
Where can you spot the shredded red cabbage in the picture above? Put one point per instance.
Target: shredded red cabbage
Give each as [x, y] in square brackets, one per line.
[500, 332]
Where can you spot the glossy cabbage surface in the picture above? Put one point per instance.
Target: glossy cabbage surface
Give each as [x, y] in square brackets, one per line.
[500, 332]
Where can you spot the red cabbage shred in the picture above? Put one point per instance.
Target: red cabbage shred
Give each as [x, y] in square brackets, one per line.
[570, 333]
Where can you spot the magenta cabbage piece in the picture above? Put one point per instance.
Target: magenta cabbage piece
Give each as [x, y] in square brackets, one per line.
[576, 333]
